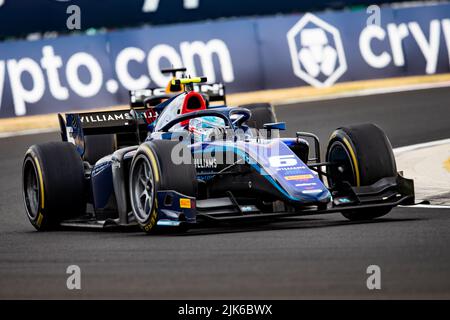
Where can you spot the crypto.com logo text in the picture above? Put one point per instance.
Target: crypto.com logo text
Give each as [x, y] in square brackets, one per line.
[63, 79]
[316, 51]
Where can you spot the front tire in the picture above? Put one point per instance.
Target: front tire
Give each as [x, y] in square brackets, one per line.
[364, 155]
[53, 184]
[153, 169]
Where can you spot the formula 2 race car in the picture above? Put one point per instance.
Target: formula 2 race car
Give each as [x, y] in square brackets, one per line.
[211, 92]
[194, 163]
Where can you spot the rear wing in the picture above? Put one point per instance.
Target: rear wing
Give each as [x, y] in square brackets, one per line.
[151, 97]
[128, 126]
[116, 121]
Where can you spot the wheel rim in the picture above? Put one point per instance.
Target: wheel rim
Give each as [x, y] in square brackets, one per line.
[142, 188]
[344, 170]
[31, 189]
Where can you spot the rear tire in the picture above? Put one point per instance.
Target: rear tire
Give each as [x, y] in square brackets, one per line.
[152, 169]
[365, 156]
[261, 113]
[53, 184]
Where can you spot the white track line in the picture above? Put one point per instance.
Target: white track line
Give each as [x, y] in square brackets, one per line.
[418, 146]
[428, 206]
[366, 92]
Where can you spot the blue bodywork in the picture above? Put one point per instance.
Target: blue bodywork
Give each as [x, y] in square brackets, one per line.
[273, 159]
[276, 162]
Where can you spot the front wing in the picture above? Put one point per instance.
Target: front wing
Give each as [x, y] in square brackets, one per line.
[175, 209]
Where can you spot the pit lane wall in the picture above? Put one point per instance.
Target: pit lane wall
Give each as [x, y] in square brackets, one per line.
[311, 49]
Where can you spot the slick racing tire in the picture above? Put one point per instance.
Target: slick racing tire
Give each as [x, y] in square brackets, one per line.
[52, 184]
[97, 146]
[365, 156]
[152, 169]
[261, 113]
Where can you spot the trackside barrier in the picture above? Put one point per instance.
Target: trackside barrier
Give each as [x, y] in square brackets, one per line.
[74, 72]
[119, 13]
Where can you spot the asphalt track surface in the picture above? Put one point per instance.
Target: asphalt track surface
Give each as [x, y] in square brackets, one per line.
[309, 257]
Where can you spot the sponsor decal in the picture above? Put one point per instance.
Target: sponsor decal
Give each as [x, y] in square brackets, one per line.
[305, 184]
[312, 191]
[185, 203]
[105, 117]
[292, 168]
[283, 161]
[299, 177]
[149, 116]
[316, 50]
[205, 163]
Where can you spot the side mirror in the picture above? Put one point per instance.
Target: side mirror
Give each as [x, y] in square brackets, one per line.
[275, 125]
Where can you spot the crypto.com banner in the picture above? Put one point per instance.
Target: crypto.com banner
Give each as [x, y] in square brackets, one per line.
[79, 72]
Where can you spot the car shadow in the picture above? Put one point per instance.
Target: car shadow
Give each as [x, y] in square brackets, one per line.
[279, 224]
[286, 223]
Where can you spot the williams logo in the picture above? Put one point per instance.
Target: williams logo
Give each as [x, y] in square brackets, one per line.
[316, 50]
[205, 163]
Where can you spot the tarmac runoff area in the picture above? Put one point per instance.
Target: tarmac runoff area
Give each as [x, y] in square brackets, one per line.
[429, 165]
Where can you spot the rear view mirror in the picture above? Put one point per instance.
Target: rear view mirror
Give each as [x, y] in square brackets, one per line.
[275, 125]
